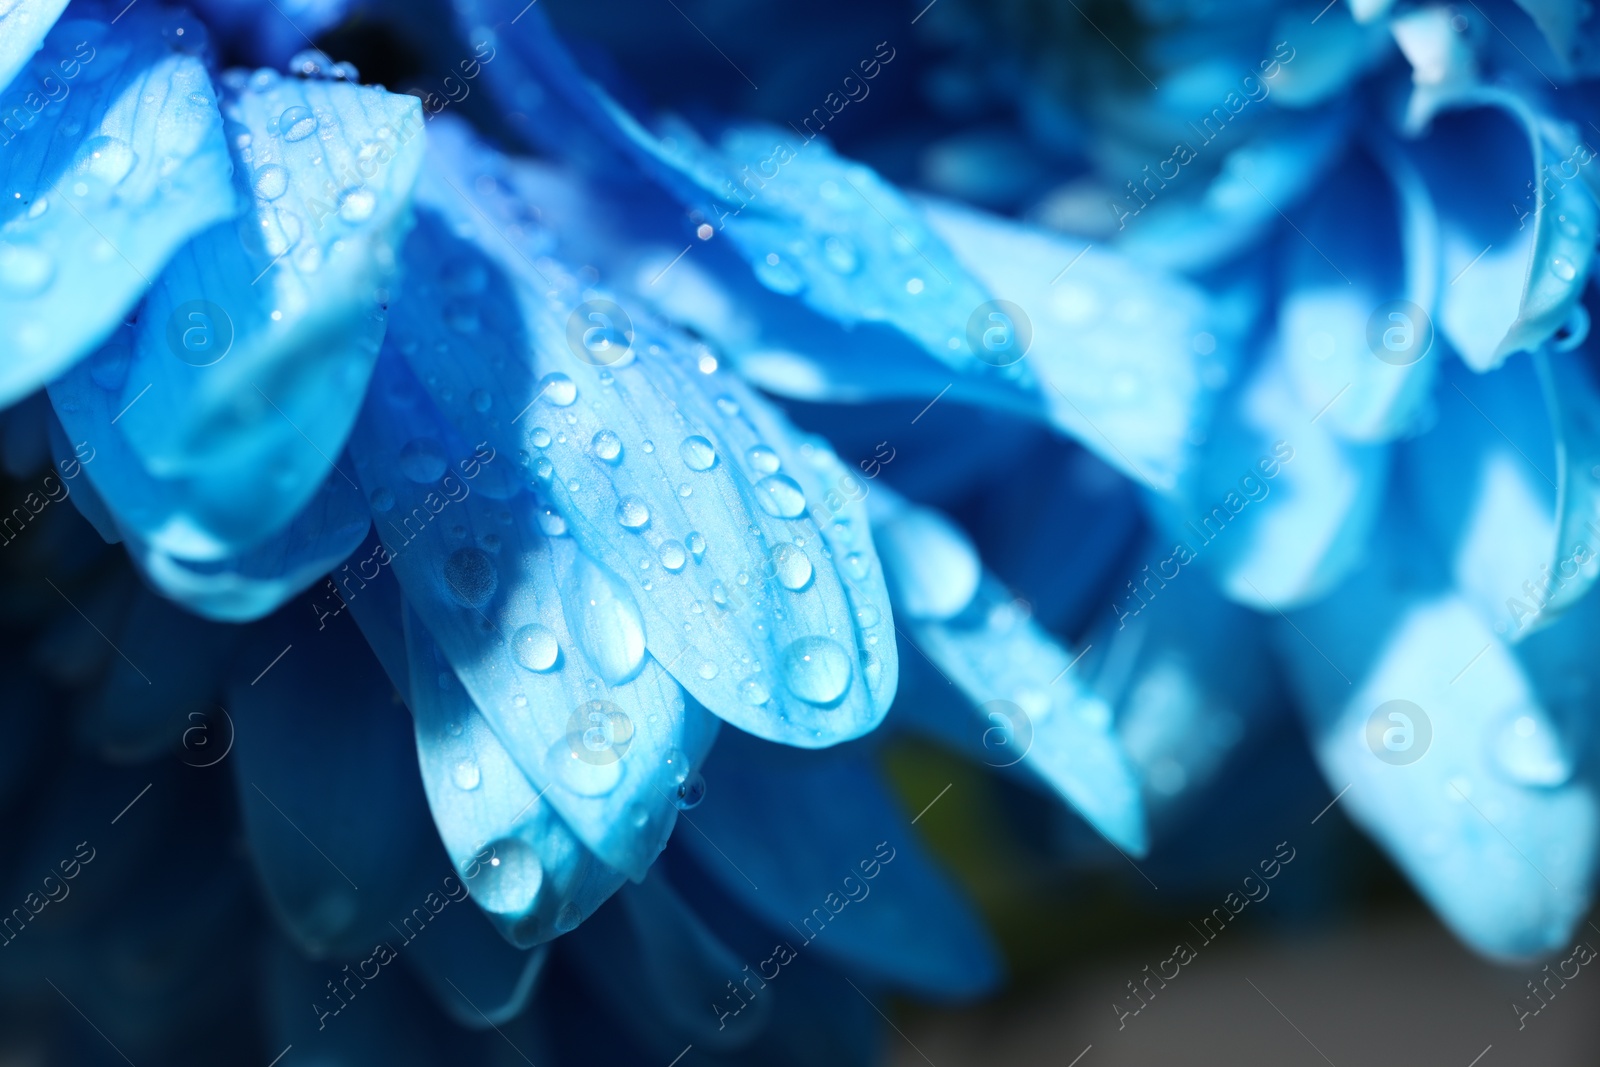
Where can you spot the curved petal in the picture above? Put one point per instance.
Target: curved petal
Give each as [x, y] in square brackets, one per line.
[96, 213]
[22, 31]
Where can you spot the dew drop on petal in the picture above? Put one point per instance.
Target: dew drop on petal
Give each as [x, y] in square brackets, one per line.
[422, 461]
[382, 499]
[296, 123]
[791, 566]
[697, 453]
[551, 524]
[691, 791]
[697, 545]
[763, 459]
[272, 181]
[607, 446]
[602, 615]
[559, 389]
[780, 496]
[672, 556]
[509, 882]
[471, 576]
[357, 205]
[466, 775]
[535, 647]
[753, 692]
[632, 513]
[816, 670]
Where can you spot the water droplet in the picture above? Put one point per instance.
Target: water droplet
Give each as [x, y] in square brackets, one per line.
[296, 123]
[753, 692]
[763, 459]
[728, 406]
[719, 592]
[780, 496]
[357, 205]
[568, 918]
[840, 254]
[106, 158]
[382, 499]
[272, 181]
[607, 446]
[676, 765]
[471, 575]
[466, 775]
[816, 670]
[535, 647]
[691, 791]
[25, 270]
[551, 524]
[509, 881]
[867, 616]
[422, 461]
[540, 437]
[697, 453]
[776, 274]
[697, 545]
[558, 389]
[602, 614]
[1562, 268]
[672, 556]
[38, 207]
[579, 768]
[480, 400]
[1526, 750]
[632, 513]
[707, 669]
[543, 469]
[791, 566]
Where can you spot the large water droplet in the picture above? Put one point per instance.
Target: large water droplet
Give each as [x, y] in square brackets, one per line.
[607, 446]
[551, 524]
[780, 496]
[602, 614]
[632, 513]
[697, 453]
[107, 158]
[1562, 268]
[509, 881]
[535, 647]
[296, 123]
[422, 461]
[471, 575]
[558, 389]
[791, 566]
[816, 670]
[272, 181]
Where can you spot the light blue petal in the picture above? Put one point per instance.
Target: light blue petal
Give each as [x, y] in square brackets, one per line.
[973, 630]
[89, 217]
[22, 31]
[1500, 846]
[546, 882]
[1516, 243]
[339, 829]
[1329, 59]
[547, 642]
[1340, 280]
[1128, 360]
[253, 350]
[671, 475]
[1280, 508]
[792, 827]
[1504, 485]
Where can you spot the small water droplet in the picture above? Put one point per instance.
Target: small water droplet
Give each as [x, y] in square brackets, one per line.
[691, 791]
[509, 882]
[707, 669]
[816, 670]
[25, 270]
[272, 181]
[780, 496]
[480, 400]
[632, 513]
[697, 453]
[763, 459]
[606, 446]
[551, 524]
[422, 461]
[672, 556]
[535, 647]
[357, 205]
[106, 158]
[296, 123]
[470, 575]
[382, 499]
[791, 566]
[1562, 268]
[558, 389]
[697, 545]
[753, 692]
[1526, 750]
[466, 775]
[568, 918]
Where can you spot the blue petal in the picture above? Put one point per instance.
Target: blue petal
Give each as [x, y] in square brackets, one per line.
[1338, 279]
[254, 347]
[548, 643]
[790, 828]
[1128, 360]
[22, 31]
[1280, 508]
[339, 829]
[1517, 257]
[971, 628]
[687, 487]
[90, 217]
[827, 230]
[528, 872]
[1502, 845]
